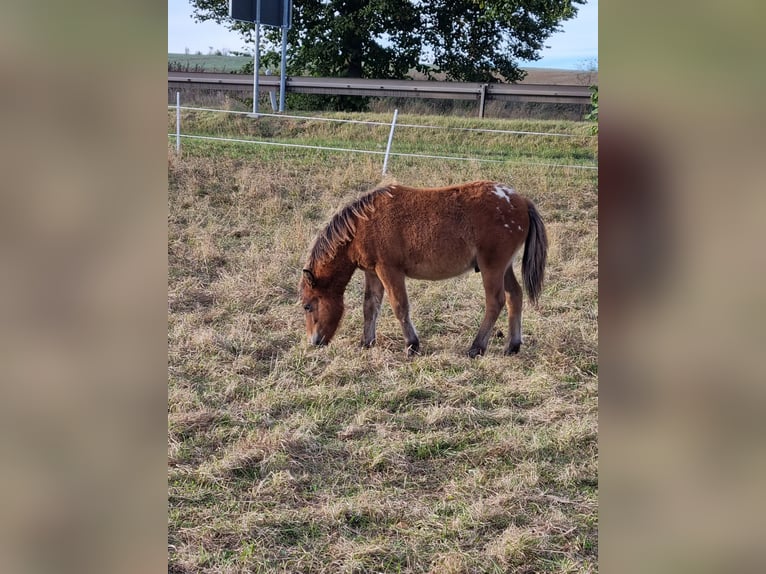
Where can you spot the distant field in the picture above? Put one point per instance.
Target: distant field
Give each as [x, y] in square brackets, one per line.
[567, 77]
[547, 76]
[203, 63]
[285, 458]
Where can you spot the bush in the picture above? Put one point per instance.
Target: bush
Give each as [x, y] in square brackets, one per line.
[593, 115]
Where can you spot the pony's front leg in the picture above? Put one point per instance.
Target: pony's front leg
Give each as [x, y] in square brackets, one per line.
[373, 297]
[495, 299]
[393, 281]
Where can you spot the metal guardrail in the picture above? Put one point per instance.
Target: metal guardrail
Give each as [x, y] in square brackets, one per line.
[548, 93]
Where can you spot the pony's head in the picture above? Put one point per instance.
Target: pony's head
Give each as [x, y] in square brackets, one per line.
[322, 307]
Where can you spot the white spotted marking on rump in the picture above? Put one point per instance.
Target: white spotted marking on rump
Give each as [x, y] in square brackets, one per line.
[503, 192]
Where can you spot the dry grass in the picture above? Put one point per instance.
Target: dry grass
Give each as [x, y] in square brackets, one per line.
[284, 458]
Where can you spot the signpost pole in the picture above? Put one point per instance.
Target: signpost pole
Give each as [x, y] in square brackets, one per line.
[283, 67]
[257, 57]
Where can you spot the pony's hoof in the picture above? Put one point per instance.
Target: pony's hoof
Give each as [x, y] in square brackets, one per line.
[512, 350]
[413, 350]
[474, 352]
[368, 345]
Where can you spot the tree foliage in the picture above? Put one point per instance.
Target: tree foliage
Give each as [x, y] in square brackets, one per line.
[593, 115]
[468, 40]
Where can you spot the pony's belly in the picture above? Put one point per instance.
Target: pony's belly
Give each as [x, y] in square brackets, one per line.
[434, 271]
[437, 260]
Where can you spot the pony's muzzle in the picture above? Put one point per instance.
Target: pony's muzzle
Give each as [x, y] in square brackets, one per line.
[317, 339]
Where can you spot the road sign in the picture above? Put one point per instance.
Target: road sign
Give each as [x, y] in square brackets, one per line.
[272, 11]
[277, 13]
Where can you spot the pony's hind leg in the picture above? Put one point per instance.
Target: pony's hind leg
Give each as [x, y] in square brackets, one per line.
[393, 281]
[495, 299]
[513, 300]
[373, 296]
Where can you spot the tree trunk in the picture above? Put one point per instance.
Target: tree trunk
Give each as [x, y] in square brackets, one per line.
[353, 40]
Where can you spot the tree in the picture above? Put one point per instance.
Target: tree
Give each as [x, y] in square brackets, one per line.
[477, 40]
[468, 40]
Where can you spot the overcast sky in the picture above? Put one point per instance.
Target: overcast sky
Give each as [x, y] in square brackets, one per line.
[575, 47]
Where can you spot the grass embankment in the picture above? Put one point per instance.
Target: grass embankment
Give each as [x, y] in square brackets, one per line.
[570, 143]
[284, 458]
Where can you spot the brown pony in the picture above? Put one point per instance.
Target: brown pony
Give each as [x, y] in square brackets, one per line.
[395, 232]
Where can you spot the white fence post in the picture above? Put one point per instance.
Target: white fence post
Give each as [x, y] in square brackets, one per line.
[178, 123]
[390, 139]
[272, 95]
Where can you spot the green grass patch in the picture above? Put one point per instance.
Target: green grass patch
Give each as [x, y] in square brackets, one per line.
[206, 63]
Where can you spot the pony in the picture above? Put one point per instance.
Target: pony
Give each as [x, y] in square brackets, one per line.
[395, 232]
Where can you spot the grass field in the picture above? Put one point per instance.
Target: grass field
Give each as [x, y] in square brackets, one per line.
[285, 458]
[206, 63]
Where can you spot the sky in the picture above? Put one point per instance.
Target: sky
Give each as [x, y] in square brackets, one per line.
[575, 47]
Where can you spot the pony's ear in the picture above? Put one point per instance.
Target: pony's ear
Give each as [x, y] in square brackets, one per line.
[310, 279]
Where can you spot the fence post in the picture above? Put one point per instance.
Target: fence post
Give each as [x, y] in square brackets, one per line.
[178, 123]
[482, 97]
[272, 95]
[390, 139]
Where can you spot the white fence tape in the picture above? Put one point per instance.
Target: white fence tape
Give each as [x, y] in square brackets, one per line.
[376, 152]
[388, 124]
[386, 153]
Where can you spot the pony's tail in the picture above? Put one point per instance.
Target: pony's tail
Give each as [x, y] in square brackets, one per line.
[535, 254]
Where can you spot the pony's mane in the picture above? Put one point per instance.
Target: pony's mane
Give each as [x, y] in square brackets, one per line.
[342, 226]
